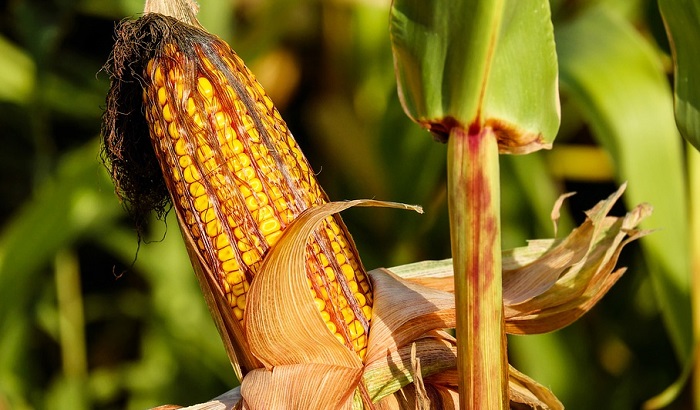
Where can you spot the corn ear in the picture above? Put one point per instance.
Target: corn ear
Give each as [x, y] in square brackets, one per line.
[234, 173]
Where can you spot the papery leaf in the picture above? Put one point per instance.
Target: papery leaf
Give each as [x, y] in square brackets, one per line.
[388, 365]
[283, 326]
[433, 274]
[551, 283]
[556, 214]
[388, 373]
[527, 392]
[583, 284]
[682, 20]
[300, 386]
[422, 399]
[396, 323]
[528, 281]
[466, 63]
[231, 400]
[405, 399]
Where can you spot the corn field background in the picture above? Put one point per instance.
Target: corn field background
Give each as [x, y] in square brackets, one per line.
[88, 319]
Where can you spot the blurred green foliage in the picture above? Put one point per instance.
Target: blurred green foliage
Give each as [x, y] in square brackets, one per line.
[87, 320]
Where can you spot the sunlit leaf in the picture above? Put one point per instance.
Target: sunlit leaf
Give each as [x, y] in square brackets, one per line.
[682, 19]
[466, 63]
[17, 72]
[63, 210]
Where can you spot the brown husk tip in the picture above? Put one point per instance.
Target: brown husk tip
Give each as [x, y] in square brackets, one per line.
[127, 150]
[511, 139]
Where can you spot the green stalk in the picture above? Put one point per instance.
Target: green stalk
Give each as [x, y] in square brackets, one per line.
[71, 322]
[475, 231]
[694, 210]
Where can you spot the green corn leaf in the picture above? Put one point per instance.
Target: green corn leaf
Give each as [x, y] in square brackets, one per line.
[682, 19]
[79, 200]
[17, 72]
[615, 77]
[479, 63]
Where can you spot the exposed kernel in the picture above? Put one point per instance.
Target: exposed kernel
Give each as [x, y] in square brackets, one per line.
[250, 257]
[325, 316]
[205, 88]
[213, 228]
[269, 226]
[367, 311]
[201, 203]
[158, 77]
[361, 300]
[173, 131]
[190, 174]
[273, 238]
[238, 312]
[237, 288]
[197, 189]
[167, 115]
[222, 241]
[230, 265]
[225, 254]
[162, 96]
[240, 302]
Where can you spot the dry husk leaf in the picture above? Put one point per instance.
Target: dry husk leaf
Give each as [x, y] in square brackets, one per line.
[285, 332]
[550, 283]
[397, 322]
[408, 319]
[301, 386]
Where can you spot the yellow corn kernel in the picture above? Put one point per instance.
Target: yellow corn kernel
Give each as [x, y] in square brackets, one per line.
[232, 265]
[238, 312]
[162, 98]
[205, 88]
[190, 173]
[197, 189]
[191, 108]
[269, 226]
[172, 131]
[225, 253]
[167, 113]
[273, 238]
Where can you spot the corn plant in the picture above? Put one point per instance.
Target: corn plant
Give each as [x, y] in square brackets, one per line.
[89, 321]
[260, 232]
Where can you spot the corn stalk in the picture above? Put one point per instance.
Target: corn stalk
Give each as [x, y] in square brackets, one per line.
[475, 230]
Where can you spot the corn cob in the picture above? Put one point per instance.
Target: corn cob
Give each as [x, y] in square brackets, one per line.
[239, 178]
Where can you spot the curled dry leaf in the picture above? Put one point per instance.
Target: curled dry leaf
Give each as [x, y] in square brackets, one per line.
[585, 281]
[550, 283]
[302, 386]
[409, 319]
[556, 214]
